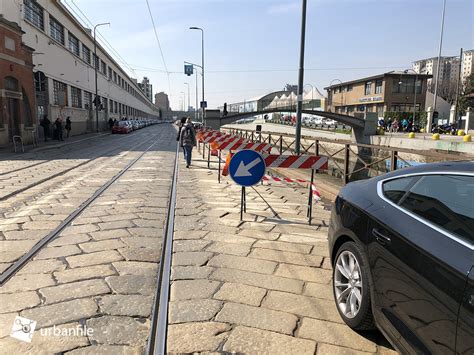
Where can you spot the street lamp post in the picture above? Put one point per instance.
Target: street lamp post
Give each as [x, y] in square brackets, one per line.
[202, 66]
[196, 110]
[189, 98]
[299, 107]
[184, 99]
[332, 92]
[96, 66]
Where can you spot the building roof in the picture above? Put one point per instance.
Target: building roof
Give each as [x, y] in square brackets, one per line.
[379, 76]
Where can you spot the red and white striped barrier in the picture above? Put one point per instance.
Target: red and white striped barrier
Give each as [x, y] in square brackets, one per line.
[314, 191]
[295, 161]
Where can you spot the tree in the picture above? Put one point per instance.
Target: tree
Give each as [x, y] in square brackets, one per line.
[466, 98]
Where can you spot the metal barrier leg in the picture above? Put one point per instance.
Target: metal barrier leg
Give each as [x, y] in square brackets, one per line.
[208, 156]
[310, 198]
[219, 172]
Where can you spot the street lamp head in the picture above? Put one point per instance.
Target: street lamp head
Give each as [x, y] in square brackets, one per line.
[195, 28]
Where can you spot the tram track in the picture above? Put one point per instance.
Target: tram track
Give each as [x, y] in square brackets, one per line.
[25, 258]
[63, 172]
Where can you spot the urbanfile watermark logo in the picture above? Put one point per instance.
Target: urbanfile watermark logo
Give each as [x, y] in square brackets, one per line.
[23, 329]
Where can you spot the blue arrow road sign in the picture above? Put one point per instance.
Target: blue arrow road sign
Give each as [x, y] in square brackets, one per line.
[247, 167]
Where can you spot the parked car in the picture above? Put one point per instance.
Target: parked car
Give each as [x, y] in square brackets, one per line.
[401, 246]
[122, 127]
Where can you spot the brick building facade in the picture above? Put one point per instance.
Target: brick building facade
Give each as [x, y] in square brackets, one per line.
[17, 93]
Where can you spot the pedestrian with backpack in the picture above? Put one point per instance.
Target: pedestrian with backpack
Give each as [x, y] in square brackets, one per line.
[188, 140]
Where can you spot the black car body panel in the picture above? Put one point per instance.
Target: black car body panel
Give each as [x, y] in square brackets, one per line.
[418, 273]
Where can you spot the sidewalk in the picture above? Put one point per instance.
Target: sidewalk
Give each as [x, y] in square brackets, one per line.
[258, 286]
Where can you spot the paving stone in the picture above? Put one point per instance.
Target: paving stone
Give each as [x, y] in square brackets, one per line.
[192, 234]
[136, 268]
[115, 225]
[321, 249]
[229, 248]
[318, 290]
[229, 238]
[108, 244]
[10, 302]
[101, 257]
[244, 340]
[83, 273]
[27, 282]
[197, 310]
[132, 284]
[70, 239]
[126, 305]
[143, 242]
[326, 264]
[335, 334]
[108, 350]
[257, 317]
[190, 272]
[309, 231]
[6, 322]
[219, 228]
[286, 257]
[302, 306]
[190, 245]
[141, 254]
[86, 220]
[84, 228]
[39, 225]
[45, 342]
[242, 263]
[24, 234]
[310, 240]
[195, 337]
[73, 290]
[58, 252]
[239, 293]
[60, 313]
[304, 273]
[113, 330]
[118, 217]
[110, 234]
[11, 256]
[328, 349]
[263, 227]
[260, 280]
[190, 289]
[146, 232]
[191, 258]
[282, 246]
[149, 223]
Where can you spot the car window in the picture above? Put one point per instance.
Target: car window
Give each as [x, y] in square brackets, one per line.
[395, 189]
[445, 200]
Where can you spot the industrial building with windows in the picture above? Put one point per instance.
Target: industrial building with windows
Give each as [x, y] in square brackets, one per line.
[64, 69]
[392, 91]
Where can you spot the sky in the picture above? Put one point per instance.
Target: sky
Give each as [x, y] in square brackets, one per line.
[252, 46]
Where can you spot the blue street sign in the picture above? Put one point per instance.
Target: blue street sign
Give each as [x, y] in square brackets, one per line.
[188, 69]
[247, 167]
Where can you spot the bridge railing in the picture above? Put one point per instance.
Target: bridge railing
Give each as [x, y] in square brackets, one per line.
[347, 160]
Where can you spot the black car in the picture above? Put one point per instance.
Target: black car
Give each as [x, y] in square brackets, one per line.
[402, 250]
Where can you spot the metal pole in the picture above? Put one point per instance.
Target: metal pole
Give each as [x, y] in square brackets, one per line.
[414, 104]
[457, 90]
[439, 59]
[189, 98]
[202, 62]
[96, 64]
[196, 112]
[299, 106]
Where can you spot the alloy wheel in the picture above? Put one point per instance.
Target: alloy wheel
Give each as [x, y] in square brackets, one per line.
[348, 284]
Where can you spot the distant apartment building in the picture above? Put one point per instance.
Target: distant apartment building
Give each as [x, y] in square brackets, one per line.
[64, 69]
[147, 88]
[162, 101]
[392, 91]
[448, 74]
[467, 64]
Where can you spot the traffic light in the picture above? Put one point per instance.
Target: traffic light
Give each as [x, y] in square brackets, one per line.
[224, 112]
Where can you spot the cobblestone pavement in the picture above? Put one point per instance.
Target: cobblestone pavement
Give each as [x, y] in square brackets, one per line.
[99, 275]
[258, 286]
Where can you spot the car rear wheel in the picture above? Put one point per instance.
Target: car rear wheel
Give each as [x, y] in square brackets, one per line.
[351, 288]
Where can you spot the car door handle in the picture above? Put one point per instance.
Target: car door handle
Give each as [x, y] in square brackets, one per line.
[380, 237]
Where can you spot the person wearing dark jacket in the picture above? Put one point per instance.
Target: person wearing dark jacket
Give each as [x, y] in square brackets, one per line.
[111, 123]
[68, 126]
[180, 127]
[188, 140]
[45, 123]
[58, 126]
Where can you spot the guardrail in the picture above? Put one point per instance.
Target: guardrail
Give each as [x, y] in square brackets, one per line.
[368, 160]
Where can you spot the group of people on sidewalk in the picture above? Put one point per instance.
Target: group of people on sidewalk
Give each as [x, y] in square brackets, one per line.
[57, 129]
[187, 138]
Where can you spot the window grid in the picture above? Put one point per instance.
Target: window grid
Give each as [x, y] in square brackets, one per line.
[59, 89]
[86, 54]
[76, 97]
[34, 13]
[57, 30]
[73, 44]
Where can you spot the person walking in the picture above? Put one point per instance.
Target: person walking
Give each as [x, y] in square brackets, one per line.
[45, 123]
[111, 123]
[188, 140]
[180, 127]
[68, 126]
[58, 125]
